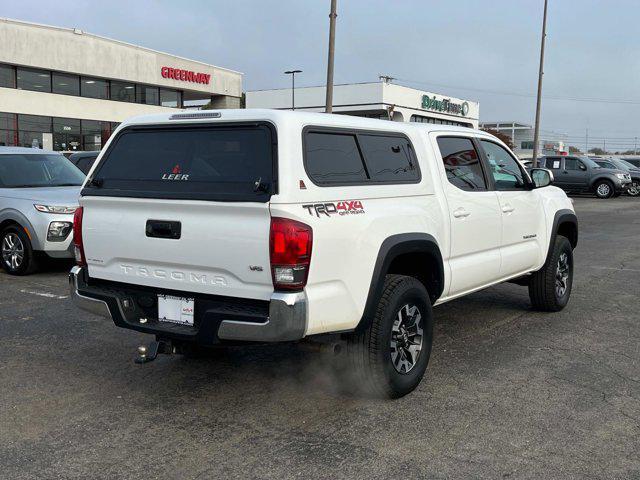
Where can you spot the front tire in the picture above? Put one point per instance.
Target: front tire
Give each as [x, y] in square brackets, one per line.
[16, 253]
[634, 189]
[550, 287]
[389, 357]
[604, 189]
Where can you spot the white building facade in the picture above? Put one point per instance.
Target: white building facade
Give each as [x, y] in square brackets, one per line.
[382, 100]
[65, 89]
[521, 135]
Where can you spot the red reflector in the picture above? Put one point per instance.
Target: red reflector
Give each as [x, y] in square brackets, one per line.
[77, 237]
[290, 251]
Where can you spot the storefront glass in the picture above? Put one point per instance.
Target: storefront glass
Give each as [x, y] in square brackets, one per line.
[147, 95]
[66, 134]
[8, 129]
[170, 98]
[33, 130]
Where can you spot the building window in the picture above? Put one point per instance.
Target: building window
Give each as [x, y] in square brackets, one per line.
[7, 76]
[147, 95]
[95, 134]
[438, 121]
[94, 88]
[32, 129]
[526, 145]
[123, 92]
[170, 98]
[35, 80]
[66, 84]
[8, 129]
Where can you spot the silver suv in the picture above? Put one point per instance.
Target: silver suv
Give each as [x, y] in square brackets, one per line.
[38, 195]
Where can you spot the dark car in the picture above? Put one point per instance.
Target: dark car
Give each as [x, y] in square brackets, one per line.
[84, 160]
[620, 164]
[582, 175]
[633, 161]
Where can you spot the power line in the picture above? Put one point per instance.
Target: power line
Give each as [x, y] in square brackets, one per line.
[524, 95]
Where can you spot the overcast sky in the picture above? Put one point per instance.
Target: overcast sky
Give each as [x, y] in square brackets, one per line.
[474, 49]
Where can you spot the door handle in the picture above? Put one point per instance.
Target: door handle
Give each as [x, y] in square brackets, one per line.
[163, 229]
[507, 208]
[461, 213]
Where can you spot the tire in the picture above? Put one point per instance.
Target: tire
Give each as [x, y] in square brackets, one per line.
[634, 189]
[603, 189]
[16, 253]
[377, 367]
[547, 291]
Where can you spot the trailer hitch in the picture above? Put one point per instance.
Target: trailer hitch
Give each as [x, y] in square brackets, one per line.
[149, 353]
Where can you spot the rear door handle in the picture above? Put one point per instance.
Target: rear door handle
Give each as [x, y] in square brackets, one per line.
[461, 213]
[163, 229]
[507, 208]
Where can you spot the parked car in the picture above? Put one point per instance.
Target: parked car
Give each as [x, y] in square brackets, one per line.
[632, 170]
[633, 161]
[38, 196]
[84, 160]
[214, 228]
[582, 175]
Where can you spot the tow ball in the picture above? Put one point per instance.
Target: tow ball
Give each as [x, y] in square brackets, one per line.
[150, 352]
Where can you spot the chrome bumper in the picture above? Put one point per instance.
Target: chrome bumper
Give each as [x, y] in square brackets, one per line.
[287, 319]
[97, 307]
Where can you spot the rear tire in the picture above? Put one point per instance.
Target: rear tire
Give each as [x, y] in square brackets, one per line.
[389, 357]
[16, 253]
[550, 287]
[604, 189]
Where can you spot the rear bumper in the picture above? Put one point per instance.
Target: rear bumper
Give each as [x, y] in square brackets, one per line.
[282, 318]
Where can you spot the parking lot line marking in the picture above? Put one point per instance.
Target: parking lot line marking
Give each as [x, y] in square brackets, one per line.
[45, 294]
[621, 269]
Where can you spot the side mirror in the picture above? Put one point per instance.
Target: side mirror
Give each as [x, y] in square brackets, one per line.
[582, 167]
[541, 177]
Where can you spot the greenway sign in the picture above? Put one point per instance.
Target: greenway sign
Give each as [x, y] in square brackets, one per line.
[445, 105]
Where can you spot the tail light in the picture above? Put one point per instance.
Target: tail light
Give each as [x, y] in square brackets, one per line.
[78, 247]
[290, 250]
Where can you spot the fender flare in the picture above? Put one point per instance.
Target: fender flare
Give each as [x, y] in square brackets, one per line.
[596, 179]
[390, 249]
[561, 217]
[15, 216]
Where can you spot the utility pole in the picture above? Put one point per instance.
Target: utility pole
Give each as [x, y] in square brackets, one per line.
[293, 86]
[332, 42]
[635, 145]
[586, 142]
[536, 134]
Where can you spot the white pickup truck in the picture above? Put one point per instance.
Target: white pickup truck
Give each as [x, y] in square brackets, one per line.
[220, 227]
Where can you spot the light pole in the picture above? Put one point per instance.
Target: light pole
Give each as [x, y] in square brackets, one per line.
[293, 86]
[328, 108]
[536, 133]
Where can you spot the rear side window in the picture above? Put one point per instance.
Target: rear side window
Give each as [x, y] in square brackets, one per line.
[334, 158]
[357, 157]
[389, 159]
[462, 163]
[225, 163]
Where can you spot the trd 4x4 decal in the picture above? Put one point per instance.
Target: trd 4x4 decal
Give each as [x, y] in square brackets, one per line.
[346, 207]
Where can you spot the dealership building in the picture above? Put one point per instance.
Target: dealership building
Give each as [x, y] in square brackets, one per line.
[384, 100]
[522, 138]
[65, 89]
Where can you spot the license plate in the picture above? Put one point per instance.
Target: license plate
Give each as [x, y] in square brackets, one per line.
[175, 309]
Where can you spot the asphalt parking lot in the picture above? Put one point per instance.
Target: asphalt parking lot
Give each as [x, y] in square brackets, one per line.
[509, 392]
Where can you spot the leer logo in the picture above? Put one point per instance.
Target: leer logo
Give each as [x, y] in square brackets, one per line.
[176, 174]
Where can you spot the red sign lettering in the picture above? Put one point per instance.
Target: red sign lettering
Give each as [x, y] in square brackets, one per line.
[185, 75]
